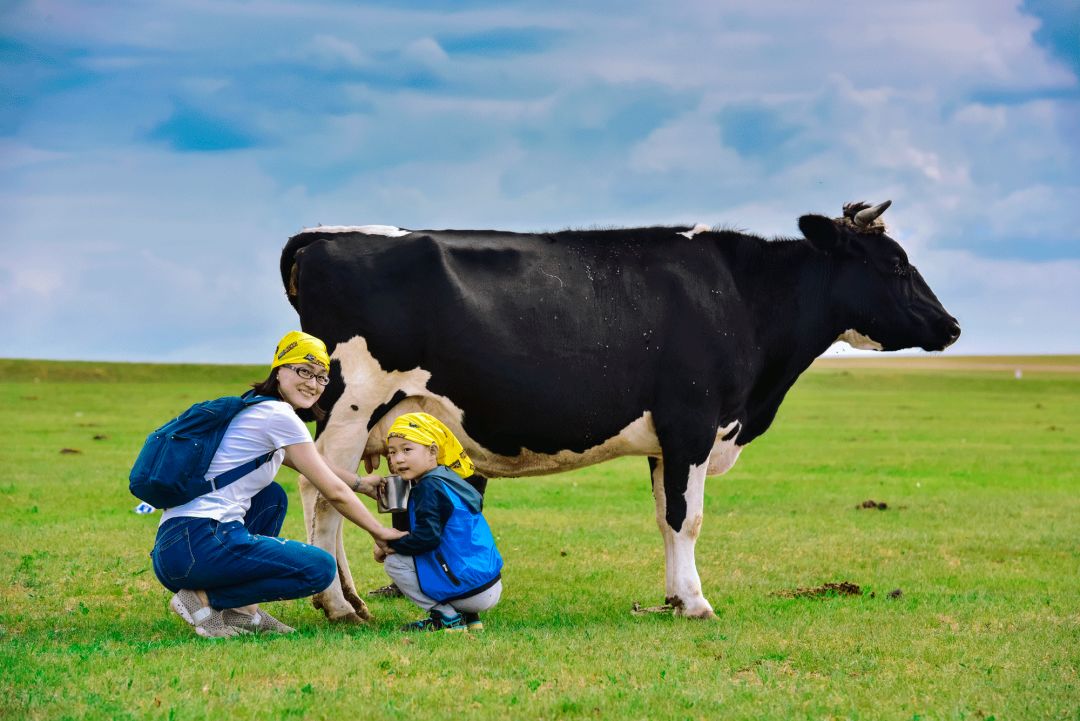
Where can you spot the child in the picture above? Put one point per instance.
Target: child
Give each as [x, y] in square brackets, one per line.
[448, 564]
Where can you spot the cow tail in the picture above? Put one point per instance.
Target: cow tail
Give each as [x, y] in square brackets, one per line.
[290, 265]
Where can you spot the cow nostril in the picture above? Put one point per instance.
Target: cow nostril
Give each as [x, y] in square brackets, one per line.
[953, 329]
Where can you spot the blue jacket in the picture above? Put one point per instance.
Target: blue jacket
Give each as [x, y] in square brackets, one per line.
[450, 541]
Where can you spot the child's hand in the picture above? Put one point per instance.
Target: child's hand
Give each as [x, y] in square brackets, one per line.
[379, 553]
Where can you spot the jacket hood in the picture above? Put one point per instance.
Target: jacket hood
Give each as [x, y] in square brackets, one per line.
[469, 495]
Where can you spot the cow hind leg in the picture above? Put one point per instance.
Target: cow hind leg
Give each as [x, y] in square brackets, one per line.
[324, 524]
[679, 492]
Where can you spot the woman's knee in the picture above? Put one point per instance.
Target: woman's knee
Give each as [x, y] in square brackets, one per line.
[267, 511]
[321, 569]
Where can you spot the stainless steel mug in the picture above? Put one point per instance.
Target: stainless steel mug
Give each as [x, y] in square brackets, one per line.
[393, 496]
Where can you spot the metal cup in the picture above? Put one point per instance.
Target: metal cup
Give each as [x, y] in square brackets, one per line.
[393, 495]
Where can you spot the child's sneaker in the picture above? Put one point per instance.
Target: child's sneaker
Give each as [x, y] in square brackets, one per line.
[390, 590]
[473, 622]
[437, 622]
[451, 623]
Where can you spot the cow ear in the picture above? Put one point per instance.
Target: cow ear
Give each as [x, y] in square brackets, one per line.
[822, 234]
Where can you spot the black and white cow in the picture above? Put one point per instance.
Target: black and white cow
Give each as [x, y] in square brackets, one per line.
[550, 351]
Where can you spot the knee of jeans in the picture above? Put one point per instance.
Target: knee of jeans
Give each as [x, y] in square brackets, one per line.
[274, 495]
[322, 570]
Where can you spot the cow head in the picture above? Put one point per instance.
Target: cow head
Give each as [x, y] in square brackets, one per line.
[877, 295]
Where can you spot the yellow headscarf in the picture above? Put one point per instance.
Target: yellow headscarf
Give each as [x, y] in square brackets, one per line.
[426, 429]
[299, 347]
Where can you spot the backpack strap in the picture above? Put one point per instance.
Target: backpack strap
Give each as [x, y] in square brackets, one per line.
[219, 482]
[224, 479]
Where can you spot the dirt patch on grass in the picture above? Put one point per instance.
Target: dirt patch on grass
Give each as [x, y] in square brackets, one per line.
[879, 505]
[826, 590]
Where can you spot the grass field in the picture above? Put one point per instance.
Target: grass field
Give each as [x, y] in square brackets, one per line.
[981, 536]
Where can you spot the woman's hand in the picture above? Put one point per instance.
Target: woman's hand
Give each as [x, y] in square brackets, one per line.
[369, 485]
[383, 534]
[339, 492]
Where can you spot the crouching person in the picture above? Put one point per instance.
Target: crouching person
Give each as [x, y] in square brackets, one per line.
[448, 564]
[219, 553]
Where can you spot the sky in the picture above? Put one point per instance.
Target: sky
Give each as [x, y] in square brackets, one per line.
[155, 157]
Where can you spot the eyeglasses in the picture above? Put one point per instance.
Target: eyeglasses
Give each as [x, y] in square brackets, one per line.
[307, 375]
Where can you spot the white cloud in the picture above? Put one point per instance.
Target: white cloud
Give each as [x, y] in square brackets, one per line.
[425, 51]
[329, 51]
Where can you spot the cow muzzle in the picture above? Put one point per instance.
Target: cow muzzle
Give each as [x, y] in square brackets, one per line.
[946, 332]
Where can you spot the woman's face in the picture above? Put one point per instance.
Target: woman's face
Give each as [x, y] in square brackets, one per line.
[410, 460]
[297, 391]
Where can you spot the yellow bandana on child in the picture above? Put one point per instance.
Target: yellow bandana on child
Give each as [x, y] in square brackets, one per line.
[299, 347]
[426, 429]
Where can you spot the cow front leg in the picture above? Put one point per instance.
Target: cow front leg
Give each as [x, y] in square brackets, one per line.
[679, 492]
[324, 524]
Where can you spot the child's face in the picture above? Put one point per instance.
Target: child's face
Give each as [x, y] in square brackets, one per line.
[410, 460]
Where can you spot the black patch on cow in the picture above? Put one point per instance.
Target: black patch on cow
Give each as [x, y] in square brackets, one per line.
[382, 410]
[478, 482]
[331, 393]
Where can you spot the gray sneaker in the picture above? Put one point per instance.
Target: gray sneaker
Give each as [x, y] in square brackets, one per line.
[206, 621]
[259, 622]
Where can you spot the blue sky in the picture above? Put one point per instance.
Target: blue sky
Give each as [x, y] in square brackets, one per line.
[154, 157]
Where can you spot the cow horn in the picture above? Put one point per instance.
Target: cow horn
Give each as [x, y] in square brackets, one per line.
[866, 217]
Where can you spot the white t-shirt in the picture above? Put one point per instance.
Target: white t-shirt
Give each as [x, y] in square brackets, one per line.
[254, 431]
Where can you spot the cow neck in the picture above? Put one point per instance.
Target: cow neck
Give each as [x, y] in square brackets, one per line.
[786, 286]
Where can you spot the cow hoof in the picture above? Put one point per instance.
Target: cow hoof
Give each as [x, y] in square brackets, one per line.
[697, 608]
[357, 604]
[705, 613]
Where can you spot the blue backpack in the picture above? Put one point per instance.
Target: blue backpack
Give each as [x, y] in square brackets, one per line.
[171, 467]
[466, 561]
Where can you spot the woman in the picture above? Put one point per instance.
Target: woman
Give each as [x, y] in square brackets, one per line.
[219, 553]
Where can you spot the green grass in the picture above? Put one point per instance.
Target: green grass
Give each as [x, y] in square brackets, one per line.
[982, 536]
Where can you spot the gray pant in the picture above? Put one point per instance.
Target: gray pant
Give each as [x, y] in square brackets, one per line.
[402, 570]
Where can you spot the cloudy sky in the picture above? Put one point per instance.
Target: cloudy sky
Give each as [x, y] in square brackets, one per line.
[154, 157]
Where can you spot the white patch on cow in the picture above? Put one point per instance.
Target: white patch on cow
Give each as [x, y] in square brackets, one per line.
[636, 439]
[855, 339]
[699, 228]
[387, 230]
[367, 386]
[681, 580]
[724, 453]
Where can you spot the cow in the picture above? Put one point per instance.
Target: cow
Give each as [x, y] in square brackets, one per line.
[545, 352]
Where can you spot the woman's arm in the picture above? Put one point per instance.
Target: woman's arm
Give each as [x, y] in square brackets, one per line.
[306, 459]
[368, 485]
